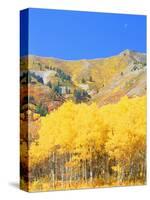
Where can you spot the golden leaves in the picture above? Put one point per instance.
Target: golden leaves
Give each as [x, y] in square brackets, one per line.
[115, 128]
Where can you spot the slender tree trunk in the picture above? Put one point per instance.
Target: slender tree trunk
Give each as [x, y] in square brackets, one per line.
[62, 172]
[70, 179]
[53, 173]
[82, 176]
[66, 168]
[85, 170]
[91, 167]
[107, 175]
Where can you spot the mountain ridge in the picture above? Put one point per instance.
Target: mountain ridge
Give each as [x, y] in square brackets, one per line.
[103, 80]
[88, 59]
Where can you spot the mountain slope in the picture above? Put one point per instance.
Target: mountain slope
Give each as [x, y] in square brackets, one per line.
[105, 80]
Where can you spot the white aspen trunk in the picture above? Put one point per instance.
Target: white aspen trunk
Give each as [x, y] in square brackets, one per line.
[83, 177]
[62, 173]
[85, 171]
[56, 168]
[66, 168]
[53, 174]
[107, 175]
[91, 167]
[120, 176]
[70, 179]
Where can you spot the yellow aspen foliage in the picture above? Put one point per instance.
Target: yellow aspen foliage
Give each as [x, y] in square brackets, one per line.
[79, 126]
[127, 126]
[86, 143]
[73, 127]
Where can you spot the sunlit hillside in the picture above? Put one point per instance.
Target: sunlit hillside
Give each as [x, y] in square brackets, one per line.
[79, 120]
[105, 80]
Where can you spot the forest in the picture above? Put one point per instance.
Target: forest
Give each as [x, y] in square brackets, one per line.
[86, 146]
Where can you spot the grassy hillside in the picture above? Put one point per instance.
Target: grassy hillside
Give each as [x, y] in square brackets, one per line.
[103, 80]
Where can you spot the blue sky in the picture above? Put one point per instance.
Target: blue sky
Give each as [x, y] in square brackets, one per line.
[76, 35]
